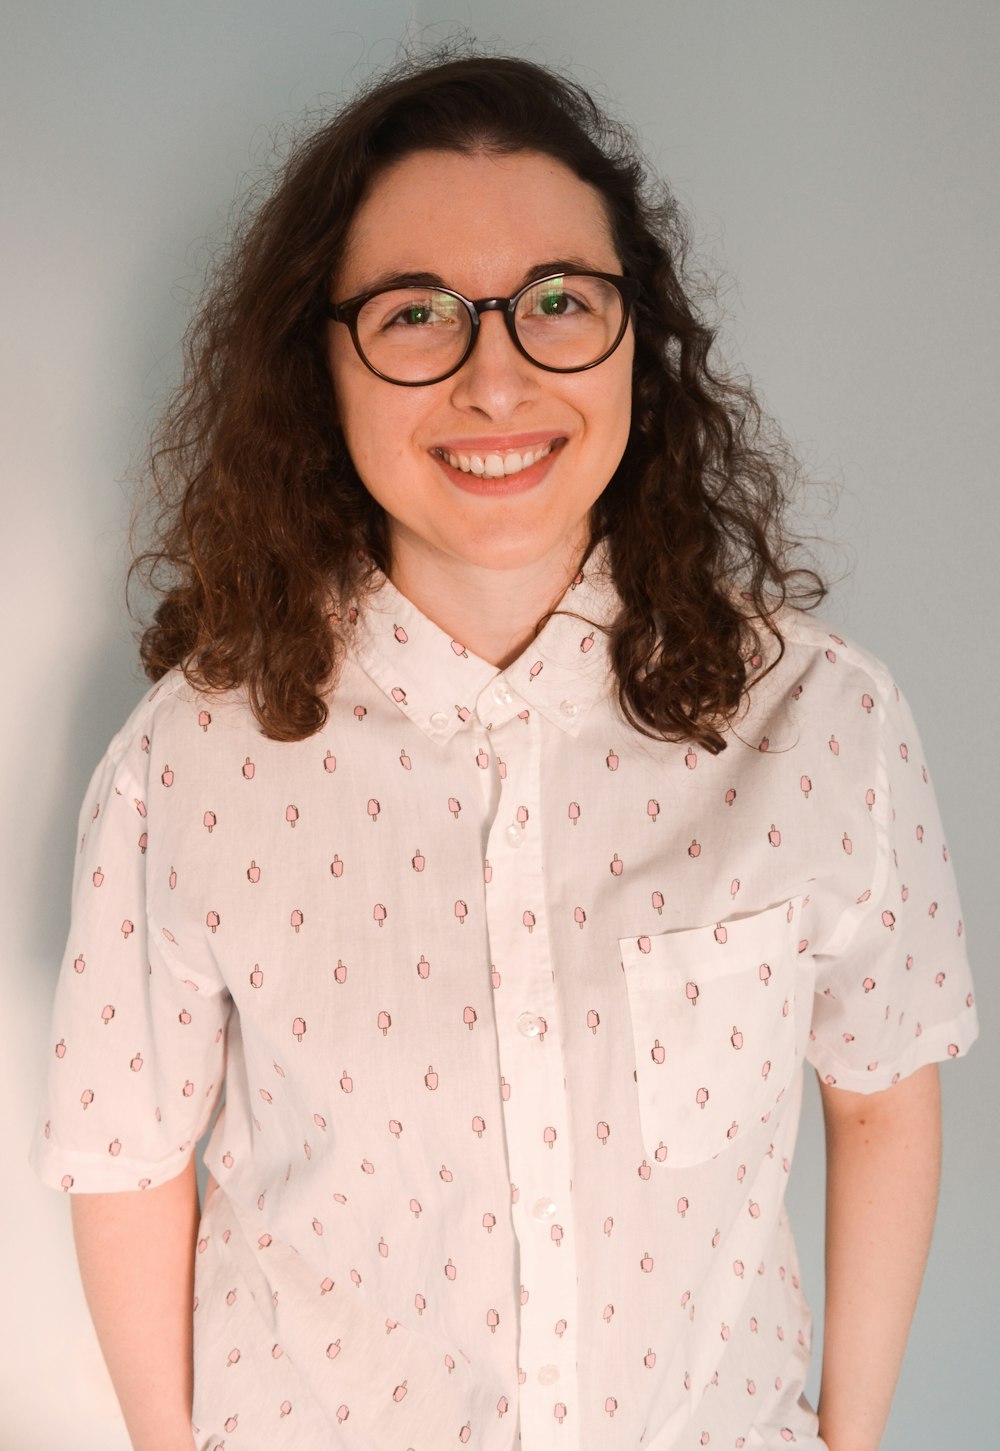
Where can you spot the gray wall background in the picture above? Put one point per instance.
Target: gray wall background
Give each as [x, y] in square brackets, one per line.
[841, 162]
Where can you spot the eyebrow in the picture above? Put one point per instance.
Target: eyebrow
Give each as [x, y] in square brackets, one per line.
[387, 280]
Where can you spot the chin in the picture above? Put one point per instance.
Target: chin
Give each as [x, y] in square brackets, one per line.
[520, 548]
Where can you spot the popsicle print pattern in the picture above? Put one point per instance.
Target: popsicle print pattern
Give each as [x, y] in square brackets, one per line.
[510, 1006]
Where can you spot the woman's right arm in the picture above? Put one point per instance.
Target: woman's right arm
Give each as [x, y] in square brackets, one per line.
[136, 1252]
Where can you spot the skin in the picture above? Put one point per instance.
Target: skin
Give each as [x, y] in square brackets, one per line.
[136, 1255]
[483, 569]
[883, 1155]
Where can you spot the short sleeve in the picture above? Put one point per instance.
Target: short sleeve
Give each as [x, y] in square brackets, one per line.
[897, 994]
[137, 1042]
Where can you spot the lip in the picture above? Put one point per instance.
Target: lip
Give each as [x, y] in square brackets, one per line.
[518, 483]
[499, 442]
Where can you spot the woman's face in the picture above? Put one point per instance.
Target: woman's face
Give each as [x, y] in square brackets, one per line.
[481, 223]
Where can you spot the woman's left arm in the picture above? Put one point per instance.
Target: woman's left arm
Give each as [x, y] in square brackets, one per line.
[883, 1155]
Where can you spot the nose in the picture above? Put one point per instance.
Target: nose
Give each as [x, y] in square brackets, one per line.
[495, 378]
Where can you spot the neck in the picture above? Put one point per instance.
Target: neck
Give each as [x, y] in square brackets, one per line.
[494, 612]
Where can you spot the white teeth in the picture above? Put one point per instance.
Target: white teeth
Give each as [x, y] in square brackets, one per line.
[495, 465]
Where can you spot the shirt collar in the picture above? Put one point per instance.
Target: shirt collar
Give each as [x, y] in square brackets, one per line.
[439, 684]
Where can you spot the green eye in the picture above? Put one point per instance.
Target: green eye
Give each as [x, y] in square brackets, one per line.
[553, 304]
[416, 314]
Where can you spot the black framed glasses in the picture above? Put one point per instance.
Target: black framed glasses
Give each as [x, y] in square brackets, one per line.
[565, 323]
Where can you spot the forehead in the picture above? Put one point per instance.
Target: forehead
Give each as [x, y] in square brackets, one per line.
[479, 221]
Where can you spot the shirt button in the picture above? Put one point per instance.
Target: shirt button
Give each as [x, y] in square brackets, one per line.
[439, 720]
[548, 1374]
[514, 834]
[501, 692]
[543, 1209]
[569, 708]
[528, 1025]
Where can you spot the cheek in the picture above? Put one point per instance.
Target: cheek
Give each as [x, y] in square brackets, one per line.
[615, 400]
[378, 429]
[353, 405]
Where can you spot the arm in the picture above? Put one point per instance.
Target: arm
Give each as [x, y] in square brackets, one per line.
[136, 1251]
[883, 1162]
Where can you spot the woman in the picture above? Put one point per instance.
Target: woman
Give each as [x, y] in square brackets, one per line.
[504, 835]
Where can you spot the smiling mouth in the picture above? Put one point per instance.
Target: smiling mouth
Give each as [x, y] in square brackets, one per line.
[494, 465]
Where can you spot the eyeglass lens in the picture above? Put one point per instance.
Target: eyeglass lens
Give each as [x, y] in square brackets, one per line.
[416, 333]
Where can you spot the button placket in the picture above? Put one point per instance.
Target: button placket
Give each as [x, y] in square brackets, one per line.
[536, 1116]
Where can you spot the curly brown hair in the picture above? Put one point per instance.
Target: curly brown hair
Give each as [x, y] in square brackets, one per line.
[263, 520]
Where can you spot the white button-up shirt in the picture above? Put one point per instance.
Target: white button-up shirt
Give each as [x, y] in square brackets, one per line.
[510, 1004]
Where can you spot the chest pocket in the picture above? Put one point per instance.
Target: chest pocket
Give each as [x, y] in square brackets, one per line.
[713, 1028]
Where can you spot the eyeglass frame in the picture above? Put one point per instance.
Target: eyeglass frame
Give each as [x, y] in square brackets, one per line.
[628, 289]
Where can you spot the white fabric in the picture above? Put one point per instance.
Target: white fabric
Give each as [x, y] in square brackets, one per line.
[510, 1003]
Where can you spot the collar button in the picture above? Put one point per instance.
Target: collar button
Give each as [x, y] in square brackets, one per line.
[569, 708]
